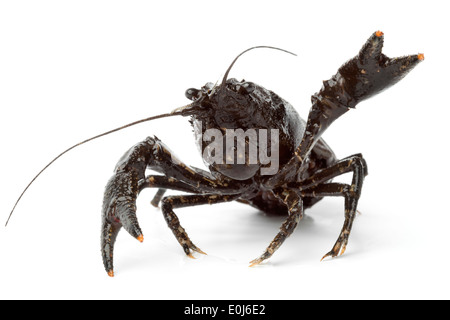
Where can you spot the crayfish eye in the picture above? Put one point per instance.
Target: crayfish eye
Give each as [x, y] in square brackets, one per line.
[192, 94]
[246, 88]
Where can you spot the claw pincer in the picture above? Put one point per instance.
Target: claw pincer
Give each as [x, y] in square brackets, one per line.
[119, 207]
[371, 71]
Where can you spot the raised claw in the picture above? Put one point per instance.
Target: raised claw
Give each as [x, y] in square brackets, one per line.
[371, 71]
[119, 210]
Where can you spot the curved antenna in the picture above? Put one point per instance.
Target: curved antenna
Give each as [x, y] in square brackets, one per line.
[173, 113]
[257, 47]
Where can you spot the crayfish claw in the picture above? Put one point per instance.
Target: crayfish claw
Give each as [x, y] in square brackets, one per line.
[371, 71]
[119, 210]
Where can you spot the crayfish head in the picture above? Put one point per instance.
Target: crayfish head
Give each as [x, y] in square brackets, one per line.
[226, 104]
[234, 102]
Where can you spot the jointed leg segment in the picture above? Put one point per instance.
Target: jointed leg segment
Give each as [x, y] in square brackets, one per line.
[294, 204]
[169, 203]
[316, 186]
[354, 163]
[351, 199]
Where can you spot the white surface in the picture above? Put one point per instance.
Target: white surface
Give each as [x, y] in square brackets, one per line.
[71, 70]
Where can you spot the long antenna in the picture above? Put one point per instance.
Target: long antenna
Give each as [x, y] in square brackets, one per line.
[173, 113]
[257, 47]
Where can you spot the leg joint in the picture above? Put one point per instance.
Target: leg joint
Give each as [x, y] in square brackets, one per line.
[166, 204]
[358, 161]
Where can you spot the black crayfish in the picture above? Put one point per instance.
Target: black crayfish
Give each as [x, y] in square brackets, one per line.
[258, 150]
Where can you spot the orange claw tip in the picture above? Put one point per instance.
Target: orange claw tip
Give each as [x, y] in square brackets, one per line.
[379, 33]
[140, 238]
[421, 56]
[111, 273]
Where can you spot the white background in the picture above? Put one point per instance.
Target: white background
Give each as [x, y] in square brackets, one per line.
[73, 69]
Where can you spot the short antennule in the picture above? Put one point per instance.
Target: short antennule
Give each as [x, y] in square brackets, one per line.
[235, 59]
[175, 112]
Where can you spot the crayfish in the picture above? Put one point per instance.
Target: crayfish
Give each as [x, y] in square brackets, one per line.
[258, 151]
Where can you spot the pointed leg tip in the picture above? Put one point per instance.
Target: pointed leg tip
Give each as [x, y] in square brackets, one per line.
[201, 252]
[379, 33]
[140, 238]
[111, 273]
[191, 256]
[421, 56]
[255, 262]
[326, 256]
